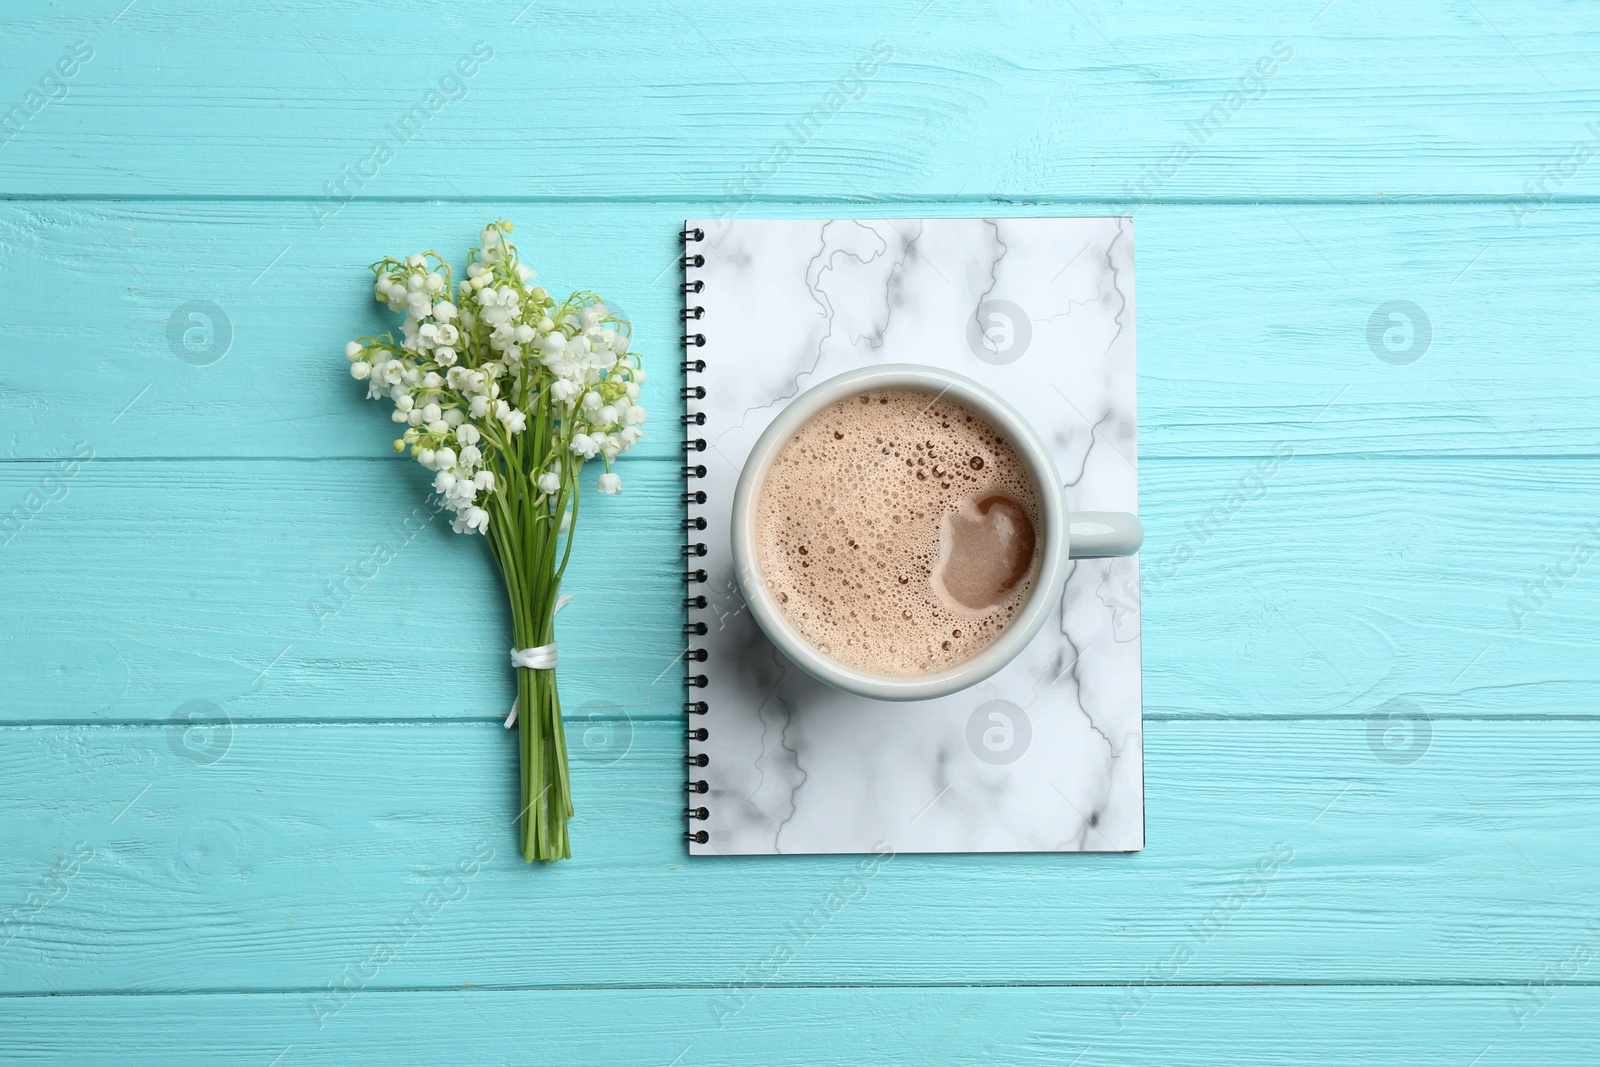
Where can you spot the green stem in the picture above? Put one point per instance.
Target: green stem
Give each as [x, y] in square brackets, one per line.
[524, 539]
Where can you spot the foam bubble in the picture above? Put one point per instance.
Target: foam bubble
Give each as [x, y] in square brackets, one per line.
[896, 531]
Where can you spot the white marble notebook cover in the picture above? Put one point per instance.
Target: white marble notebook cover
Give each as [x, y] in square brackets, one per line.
[1045, 756]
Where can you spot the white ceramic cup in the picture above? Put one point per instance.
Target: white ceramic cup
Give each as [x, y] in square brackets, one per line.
[1066, 535]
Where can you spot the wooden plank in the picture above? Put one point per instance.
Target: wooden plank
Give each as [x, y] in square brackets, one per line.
[314, 591]
[303, 591]
[213, 344]
[1256, 323]
[1035, 99]
[1439, 1026]
[313, 833]
[1281, 852]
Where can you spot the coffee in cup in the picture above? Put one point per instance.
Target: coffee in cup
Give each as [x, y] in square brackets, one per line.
[897, 530]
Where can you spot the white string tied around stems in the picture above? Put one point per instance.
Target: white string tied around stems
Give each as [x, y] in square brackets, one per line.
[541, 658]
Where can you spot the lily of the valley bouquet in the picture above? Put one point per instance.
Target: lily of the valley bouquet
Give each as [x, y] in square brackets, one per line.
[505, 394]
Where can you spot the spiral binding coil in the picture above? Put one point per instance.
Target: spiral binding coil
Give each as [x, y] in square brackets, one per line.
[694, 549]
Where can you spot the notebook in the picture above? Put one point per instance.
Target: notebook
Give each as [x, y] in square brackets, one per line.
[1046, 755]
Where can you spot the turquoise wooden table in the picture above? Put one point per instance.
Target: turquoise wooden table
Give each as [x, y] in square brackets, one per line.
[256, 798]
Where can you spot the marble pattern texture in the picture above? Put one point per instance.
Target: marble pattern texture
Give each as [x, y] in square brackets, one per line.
[1046, 755]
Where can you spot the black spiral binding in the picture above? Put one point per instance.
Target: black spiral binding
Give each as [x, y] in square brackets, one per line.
[692, 549]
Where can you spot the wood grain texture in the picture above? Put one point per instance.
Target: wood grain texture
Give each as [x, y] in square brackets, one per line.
[362, 603]
[248, 693]
[1255, 322]
[977, 97]
[1304, 587]
[1283, 852]
[1363, 1026]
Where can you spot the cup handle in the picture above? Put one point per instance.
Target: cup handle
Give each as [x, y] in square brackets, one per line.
[1097, 534]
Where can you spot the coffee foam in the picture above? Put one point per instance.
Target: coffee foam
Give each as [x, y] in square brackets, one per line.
[859, 516]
